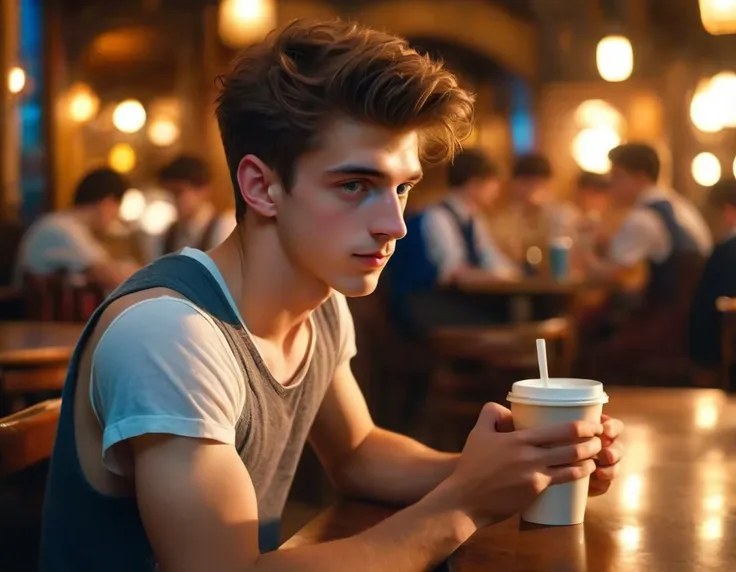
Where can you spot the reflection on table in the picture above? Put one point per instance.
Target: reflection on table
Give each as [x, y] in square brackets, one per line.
[670, 511]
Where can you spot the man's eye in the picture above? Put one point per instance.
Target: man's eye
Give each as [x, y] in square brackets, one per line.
[404, 188]
[354, 187]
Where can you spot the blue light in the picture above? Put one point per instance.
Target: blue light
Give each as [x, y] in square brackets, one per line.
[522, 117]
[32, 144]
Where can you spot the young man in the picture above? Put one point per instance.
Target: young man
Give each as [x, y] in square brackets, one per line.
[455, 232]
[193, 392]
[446, 244]
[198, 225]
[718, 279]
[661, 229]
[667, 233]
[67, 240]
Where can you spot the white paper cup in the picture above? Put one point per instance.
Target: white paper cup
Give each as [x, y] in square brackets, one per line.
[566, 399]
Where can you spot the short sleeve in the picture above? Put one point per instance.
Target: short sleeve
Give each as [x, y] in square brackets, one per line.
[348, 347]
[163, 366]
[636, 240]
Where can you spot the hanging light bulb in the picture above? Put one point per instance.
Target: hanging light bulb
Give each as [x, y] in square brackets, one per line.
[591, 146]
[16, 80]
[242, 22]
[723, 90]
[83, 103]
[615, 58]
[706, 169]
[718, 16]
[129, 116]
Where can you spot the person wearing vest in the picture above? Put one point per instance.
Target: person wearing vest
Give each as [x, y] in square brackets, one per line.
[667, 233]
[196, 385]
[718, 279]
[446, 243]
[198, 225]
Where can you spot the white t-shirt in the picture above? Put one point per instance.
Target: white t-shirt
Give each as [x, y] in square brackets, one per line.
[58, 241]
[446, 246]
[164, 366]
[643, 236]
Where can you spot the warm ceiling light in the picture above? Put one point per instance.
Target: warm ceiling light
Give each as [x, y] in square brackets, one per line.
[16, 80]
[615, 58]
[243, 22]
[129, 116]
[718, 16]
[133, 205]
[591, 146]
[122, 158]
[83, 103]
[706, 169]
[157, 217]
[163, 132]
[598, 113]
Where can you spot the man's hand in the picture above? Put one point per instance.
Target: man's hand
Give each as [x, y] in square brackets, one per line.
[607, 467]
[501, 471]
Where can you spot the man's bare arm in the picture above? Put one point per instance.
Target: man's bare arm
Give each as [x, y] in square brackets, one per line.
[200, 512]
[365, 461]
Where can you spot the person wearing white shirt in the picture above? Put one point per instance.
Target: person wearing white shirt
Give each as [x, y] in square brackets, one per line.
[67, 240]
[666, 232]
[446, 244]
[456, 234]
[661, 227]
[198, 225]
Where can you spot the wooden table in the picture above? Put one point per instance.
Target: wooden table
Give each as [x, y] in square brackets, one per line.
[572, 293]
[33, 359]
[34, 343]
[672, 509]
[525, 287]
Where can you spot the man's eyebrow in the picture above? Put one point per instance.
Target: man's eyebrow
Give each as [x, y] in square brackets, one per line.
[363, 170]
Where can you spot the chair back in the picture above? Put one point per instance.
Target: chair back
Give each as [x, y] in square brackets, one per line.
[60, 297]
[27, 437]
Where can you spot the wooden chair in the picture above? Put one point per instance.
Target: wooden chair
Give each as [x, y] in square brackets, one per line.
[478, 364]
[59, 297]
[26, 442]
[27, 437]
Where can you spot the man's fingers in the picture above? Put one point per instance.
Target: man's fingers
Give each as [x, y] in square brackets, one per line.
[570, 454]
[561, 433]
[571, 472]
[495, 417]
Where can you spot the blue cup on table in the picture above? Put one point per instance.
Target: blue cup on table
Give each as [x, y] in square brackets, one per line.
[559, 258]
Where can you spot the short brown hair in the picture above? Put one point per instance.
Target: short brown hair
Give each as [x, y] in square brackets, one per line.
[282, 91]
[470, 164]
[187, 168]
[636, 158]
[531, 166]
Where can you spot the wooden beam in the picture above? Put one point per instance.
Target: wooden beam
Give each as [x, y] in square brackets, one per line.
[484, 27]
[9, 158]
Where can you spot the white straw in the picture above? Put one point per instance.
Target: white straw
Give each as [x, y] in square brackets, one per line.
[542, 359]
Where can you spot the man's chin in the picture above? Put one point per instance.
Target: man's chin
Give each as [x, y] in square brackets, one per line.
[356, 286]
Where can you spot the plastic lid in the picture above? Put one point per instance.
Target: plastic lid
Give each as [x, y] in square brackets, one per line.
[561, 392]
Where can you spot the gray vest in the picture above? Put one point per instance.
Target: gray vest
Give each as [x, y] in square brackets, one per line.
[85, 530]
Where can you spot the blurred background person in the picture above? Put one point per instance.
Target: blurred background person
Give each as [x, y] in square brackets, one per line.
[532, 216]
[447, 243]
[68, 240]
[666, 232]
[718, 279]
[198, 224]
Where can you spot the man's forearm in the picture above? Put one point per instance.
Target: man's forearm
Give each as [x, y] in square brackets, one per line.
[413, 539]
[395, 469]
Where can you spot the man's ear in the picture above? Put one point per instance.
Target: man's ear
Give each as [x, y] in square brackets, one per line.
[258, 186]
